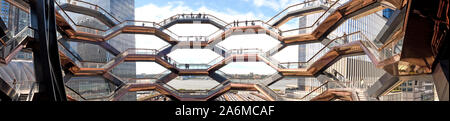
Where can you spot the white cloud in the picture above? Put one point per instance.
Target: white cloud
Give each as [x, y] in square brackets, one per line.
[274, 4]
[156, 13]
[269, 3]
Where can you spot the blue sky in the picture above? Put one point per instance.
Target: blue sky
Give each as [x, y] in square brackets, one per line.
[243, 6]
[262, 9]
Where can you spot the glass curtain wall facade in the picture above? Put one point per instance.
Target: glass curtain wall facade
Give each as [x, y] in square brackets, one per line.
[15, 20]
[4, 11]
[19, 73]
[358, 69]
[412, 90]
[121, 10]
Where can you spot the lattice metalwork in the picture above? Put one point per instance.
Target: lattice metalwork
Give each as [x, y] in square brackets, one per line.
[334, 14]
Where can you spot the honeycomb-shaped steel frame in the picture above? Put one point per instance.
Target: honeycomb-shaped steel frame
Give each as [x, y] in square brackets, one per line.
[70, 33]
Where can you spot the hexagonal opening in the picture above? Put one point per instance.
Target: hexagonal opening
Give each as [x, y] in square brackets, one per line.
[85, 20]
[348, 71]
[247, 41]
[90, 53]
[311, 52]
[292, 24]
[91, 87]
[288, 54]
[139, 72]
[122, 42]
[204, 29]
[193, 83]
[300, 56]
[247, 72]
[203, 58]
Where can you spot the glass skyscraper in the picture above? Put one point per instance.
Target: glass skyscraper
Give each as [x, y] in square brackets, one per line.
[358, 69]
[121, 10]
[15, 20]
[4, 11]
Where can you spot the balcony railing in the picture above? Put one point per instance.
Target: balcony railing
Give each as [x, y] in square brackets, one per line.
[90, 6]
[270, 92]
[195, 93]
[26, 88]
[332, 6]
[380, 53]
[195, 17]
[131, 51]
[290, 9]
[9, 43]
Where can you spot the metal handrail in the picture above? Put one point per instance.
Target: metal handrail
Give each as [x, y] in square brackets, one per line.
[315, 89]
[312, 25]
[230, 25]
[325, 46]
[70, 52]
[216, 60]
[31, 93]
[87, 99]
[59, 6]
[126, 53]
[72, 90]
[270, 92]
[379, 49]
[288, 8]
[280, 32]
[100, 8]
[14, 36]
[11, 45]
[178, 15]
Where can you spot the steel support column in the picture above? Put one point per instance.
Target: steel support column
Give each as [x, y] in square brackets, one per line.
[45, 51]
[3, 28]
[440, 71]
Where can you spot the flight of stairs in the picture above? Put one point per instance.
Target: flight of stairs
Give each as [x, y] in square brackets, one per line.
[361, 95]
[23, 97]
